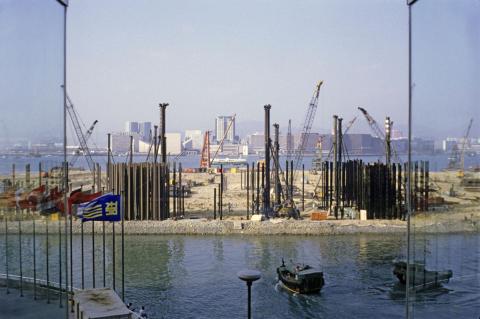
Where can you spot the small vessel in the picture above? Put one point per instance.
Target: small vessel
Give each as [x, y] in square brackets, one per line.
[229, 161]
[300, 278]
[420, 277]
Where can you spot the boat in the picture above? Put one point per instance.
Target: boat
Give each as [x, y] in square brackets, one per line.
[420, 277]
[300, 278]
[229, 161]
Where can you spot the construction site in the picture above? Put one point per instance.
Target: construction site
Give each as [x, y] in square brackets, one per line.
[337, 187]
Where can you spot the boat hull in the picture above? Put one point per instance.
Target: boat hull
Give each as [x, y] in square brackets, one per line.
[308, 284]
[419, 277]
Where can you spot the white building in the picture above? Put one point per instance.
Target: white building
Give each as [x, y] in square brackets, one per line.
[196, 138]
[121, 142]
[174, 144]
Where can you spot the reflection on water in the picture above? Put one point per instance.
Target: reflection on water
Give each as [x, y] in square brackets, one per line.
[195, 276]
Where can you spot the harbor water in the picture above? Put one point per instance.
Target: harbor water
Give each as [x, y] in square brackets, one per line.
[195, 276]
[437, 162]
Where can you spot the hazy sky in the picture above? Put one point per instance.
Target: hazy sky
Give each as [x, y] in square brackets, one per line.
[208, 58]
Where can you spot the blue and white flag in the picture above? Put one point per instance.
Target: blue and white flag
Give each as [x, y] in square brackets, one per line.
[103, 208]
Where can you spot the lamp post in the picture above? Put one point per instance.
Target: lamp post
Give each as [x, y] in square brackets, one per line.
[249, 276]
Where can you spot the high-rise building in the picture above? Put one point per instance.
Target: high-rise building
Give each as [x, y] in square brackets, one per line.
[132, 127]
[141, 128]
[221, 125]
[144, 130]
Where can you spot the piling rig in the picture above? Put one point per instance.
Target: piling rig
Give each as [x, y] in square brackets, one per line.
[457, 159]
[389, 149]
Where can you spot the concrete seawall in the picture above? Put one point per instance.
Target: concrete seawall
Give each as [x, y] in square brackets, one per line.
[271, 227]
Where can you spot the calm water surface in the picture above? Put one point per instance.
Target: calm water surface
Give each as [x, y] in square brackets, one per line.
[195, 276]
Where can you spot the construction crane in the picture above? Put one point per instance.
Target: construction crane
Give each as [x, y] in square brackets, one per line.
[75, 157]
[377, 131]
[373, 124]
[222, 141]
[307, 126]
[205, 158]
[79, 133]
[349, 125]
[457, 159]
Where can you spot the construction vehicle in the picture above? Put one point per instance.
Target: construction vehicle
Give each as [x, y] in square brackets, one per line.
[82, 138]
[307, 126]
[457, 159]
[288, 207]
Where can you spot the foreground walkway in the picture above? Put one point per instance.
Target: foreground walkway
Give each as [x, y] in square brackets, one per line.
[14, 306]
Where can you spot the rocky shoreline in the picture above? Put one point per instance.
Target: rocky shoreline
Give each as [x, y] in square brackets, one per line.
[246, 227]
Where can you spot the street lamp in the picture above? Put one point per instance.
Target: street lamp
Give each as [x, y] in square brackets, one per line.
[249, 276]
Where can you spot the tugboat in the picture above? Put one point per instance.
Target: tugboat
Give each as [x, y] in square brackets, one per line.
[299, 278]
[420, 277]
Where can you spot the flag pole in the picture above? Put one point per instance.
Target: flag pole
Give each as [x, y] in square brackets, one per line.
[113, 249]
[6, 249]
[60, 298]
[34, 260]
[20, 249]
[47, 261]
[123, 250]
[83, 257]
[71, 251]
[93, 254]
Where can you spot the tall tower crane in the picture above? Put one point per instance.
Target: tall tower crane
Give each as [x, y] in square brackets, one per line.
[307, 126]
[79, 133]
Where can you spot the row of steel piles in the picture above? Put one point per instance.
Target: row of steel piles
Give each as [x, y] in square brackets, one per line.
[151, 191]
[378, 188]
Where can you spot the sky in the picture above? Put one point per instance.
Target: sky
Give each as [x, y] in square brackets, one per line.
[209, 58]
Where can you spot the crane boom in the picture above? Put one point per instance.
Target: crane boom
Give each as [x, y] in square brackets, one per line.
[78, 131]
[74, 158]
[464, 144]
[377, 131]
[307, 126]
[349, 125]
[373, 124]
